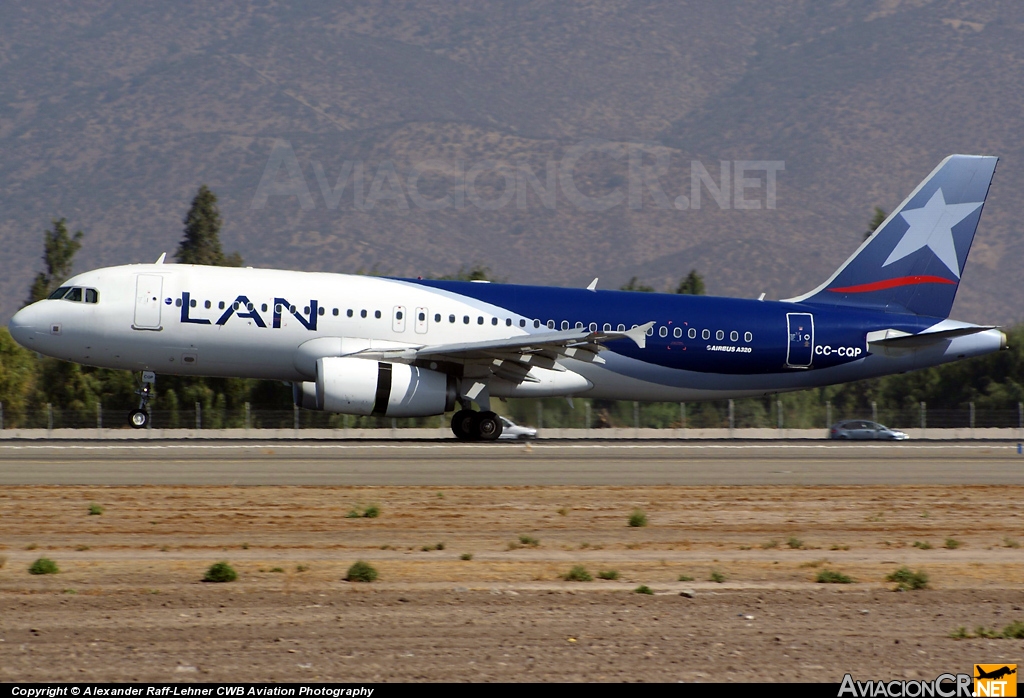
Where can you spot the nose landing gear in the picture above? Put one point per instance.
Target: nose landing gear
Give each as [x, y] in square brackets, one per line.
[139, 418]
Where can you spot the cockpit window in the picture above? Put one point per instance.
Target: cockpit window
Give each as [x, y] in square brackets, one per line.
[59, 293]
[75, 294]
[92, 295]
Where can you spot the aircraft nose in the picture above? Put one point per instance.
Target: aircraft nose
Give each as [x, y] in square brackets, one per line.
[23, 326]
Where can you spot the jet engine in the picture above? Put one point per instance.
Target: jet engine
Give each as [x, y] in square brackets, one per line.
[361, 386]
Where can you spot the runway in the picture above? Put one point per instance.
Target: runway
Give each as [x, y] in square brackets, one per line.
[514, 464]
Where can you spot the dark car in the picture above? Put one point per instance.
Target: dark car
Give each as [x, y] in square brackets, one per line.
[863, 429]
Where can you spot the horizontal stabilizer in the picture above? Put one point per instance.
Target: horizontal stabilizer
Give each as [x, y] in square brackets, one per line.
[897, 339]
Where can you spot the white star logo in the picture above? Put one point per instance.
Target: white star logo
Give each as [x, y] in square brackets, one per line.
[932, 226]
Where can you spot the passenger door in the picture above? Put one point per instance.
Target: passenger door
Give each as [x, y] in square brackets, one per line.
[148, 289]
[801, 340]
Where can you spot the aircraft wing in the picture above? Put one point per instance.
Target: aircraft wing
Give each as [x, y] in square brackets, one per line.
[513, 357]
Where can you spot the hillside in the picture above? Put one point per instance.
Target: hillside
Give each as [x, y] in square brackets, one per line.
[113, 113]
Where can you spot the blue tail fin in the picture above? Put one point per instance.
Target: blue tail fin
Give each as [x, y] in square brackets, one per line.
[913, 261]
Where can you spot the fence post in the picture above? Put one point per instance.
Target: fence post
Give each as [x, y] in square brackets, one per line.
[295, 417]
[540, 414]
[49, 417]
[924, 417]
[586, 417]
[247, 422]
[1, 415]
[732, 418]
[682, 414]
[99, 416]
[1020, 415]
[778, 412]
[636, 418]
[828, 415]
[874, 411]
[972, 420]
[199, 416]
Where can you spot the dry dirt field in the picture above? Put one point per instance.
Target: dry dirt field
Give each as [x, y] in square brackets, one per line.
[128, 603]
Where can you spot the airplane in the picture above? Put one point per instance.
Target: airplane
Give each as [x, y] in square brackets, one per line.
[995, 673]
[418, 347]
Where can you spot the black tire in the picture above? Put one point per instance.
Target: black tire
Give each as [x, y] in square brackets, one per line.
[464, 425]
[139, 419]
[488, 426]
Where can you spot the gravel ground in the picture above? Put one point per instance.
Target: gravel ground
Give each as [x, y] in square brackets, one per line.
[128, 603]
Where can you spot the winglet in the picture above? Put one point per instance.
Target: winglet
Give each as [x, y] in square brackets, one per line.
[639, 334]
[163, 256]
[593, 285]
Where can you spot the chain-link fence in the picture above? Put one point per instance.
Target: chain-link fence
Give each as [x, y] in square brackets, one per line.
[550, 413]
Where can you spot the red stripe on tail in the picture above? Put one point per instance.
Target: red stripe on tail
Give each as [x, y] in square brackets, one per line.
[893, 283]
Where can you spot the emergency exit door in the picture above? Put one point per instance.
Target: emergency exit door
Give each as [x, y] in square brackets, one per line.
[801, 340]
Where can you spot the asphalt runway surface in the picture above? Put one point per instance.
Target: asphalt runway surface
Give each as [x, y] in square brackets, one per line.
[432, 463]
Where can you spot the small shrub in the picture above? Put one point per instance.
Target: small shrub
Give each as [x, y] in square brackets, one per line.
[220, 572]
[529, 540]
[439, 546]
[43, 565]
[836, 546]
[638, 519]
[81, 548]
[986, 633]
[717, 577]
[952, 543]
[301, 568]
[960, 633]
[371, 512]
[3, 561]
[277, 570]
[832, 577]
[95, 510]
[608, 574]
[1010, 542]
[466, 556]
[361, 572]
[769, 545]
[1014, 631]
[353, 514]
[578, 574]
[563, 512]
[794, 543]
[245, 546]
[643, 589]
[31, 546]
[907, 580]
[685, 578]
[923, 545]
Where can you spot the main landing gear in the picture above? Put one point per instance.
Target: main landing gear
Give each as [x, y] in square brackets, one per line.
[139, 418]
[468, 425]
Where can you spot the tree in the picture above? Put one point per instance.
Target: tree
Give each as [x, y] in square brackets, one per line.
[201, 244]
[876, 220]
[59, 250]
[692, 284]
[635, 285]
[477, 272]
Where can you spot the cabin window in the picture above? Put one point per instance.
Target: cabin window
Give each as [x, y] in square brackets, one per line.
[437, 317]
[305, 311]
[508, 322]
[277, 309]
[522, 322]
[177, 302]
[335, 312]
[607, 327]
[579, 325]
[465, 319]
[719, 335]
[264, 308]
[423, 317]
[677, 332]
[593, 327]
[192, 303]
[692, 333]
[621, 328]
[663, 332]
[705, 334]
[494, 321]
[362, 313]
[207, 305]
[536, 324]
[291, 308]
[565, 324]
[221, 305]
[320, 311]
[479, 319]
[734, 336]
[451, 318]
[398, 315]
[748, 337]
[650, 331]
[376, 314]
[551, 324]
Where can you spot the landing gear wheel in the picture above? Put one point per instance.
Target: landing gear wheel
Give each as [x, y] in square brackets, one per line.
[488, 426]
[464, 425]
[139, 419]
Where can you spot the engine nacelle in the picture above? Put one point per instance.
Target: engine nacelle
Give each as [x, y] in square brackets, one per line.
[361, 386]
